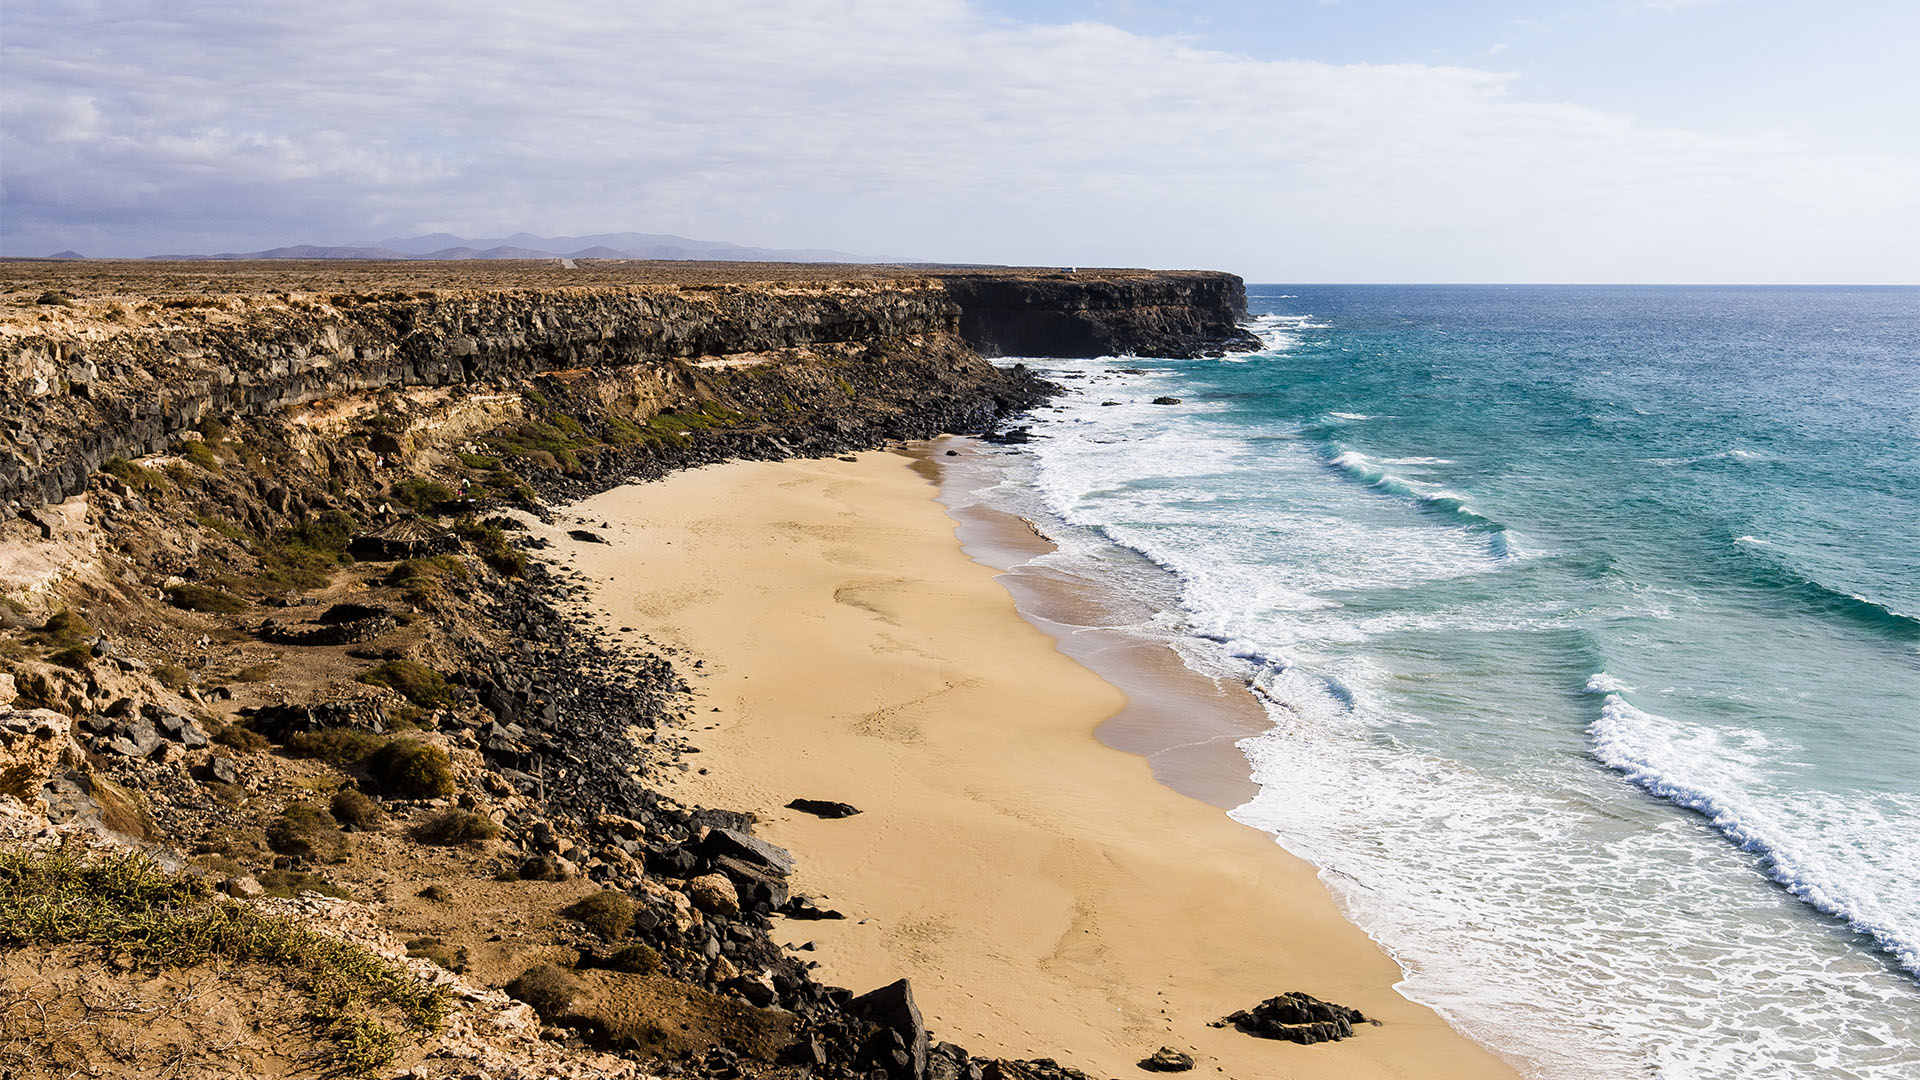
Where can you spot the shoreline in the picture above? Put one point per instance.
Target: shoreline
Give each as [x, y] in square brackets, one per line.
[1046, 894]
[1187, 725]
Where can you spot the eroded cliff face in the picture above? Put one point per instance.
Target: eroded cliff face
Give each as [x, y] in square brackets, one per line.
[1073, 314]
[99, 368]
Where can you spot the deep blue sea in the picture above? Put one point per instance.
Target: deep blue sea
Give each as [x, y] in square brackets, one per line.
[1589, 623]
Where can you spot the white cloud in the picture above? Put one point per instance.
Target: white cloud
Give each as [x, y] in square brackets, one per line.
[904, 127]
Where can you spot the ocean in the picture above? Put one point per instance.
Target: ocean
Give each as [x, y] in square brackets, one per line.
[1588, 622]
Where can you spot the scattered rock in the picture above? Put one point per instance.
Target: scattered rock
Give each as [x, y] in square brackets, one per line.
[1296, 1017]
[1166, 401]
[1167, 1059]
[243, 887]
[587, 537]
[806, 910]
[823, 808]
[220, 770]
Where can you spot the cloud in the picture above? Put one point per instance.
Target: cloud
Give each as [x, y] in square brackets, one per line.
[914, 128]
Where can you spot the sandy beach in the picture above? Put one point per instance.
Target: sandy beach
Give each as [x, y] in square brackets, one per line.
[1045, 894]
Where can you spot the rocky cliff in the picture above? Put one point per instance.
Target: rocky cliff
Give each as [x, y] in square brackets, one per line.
[103, 364]
[1071, 314]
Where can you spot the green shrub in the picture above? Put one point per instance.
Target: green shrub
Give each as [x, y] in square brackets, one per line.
[452, 828]
[635, 958]
[173, 677]
[241, 738]
[254, 673]
[417, 683]
[206, 599]
[425, 579]
[307, 832]
[607, 914]
[198, 452]
[76, 657]
[211, 429]
[135, 476]
[356, 810]
[549, 988]
[66, 628]
[336, 746]
[304, 556]
[412, 769]
[417, 493]
[490, 543]
[288, 884]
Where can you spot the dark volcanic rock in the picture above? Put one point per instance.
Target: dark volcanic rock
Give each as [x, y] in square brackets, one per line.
[278, 722]
[586, 536]
[1072, 315]
[893, 1009]
[1166, 401]
[752, 849]
[1296, 1017]
[823, 808]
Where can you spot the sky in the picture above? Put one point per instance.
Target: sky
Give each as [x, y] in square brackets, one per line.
[1286, 140]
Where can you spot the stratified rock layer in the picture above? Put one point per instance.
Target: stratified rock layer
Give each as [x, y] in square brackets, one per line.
[104, 367]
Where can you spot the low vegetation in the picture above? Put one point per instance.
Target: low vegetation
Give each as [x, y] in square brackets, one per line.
[454, 828]
[607, 914]
[355, 809]
[360, 1004]
[549, 988]
[205, 598]
[307, 832]
[411, 769]
[417, 683]
[335, 746]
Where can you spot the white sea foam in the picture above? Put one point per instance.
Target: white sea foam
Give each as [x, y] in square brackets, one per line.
[1603, 683]
[1349, 416]
[1713, 771]
[1577, 928]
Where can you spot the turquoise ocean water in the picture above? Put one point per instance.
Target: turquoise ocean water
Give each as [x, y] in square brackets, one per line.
[1589, 623]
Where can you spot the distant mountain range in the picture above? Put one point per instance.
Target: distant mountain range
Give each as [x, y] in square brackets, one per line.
[529, 246]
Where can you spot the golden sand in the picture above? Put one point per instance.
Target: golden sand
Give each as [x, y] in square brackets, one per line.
[1044, 893]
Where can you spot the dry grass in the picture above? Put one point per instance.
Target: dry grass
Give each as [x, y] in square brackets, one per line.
[126, 906]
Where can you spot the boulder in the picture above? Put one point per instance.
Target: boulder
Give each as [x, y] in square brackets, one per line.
[750, 848]
[243, 887]
[893, 1009]
[823, 808]
[1296, 1017]
[182, 729]
[714, 894]
[755, 883]
[1167, 1059]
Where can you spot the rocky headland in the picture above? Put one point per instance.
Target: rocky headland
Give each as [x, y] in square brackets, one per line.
[303, 759]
